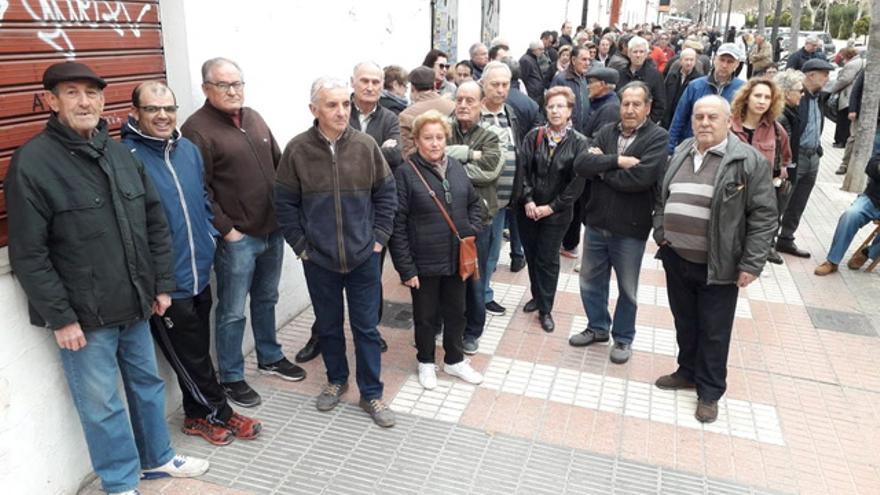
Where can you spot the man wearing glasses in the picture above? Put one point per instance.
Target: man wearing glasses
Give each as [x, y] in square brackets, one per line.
[183, 333]
[240, 157]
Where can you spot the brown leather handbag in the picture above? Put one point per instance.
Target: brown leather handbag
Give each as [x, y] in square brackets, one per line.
[467, 246]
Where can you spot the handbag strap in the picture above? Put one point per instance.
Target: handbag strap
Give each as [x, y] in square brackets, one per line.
[436, 200]
[777, 165]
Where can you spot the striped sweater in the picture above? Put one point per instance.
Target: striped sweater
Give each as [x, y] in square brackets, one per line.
[687, 211]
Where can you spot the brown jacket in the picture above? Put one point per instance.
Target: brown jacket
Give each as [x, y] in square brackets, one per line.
[429, 100]
[240, 168]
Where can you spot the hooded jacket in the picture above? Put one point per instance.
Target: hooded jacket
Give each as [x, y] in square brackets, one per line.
[334, 203]
[88, 240]
[175, 167]
[743, 216]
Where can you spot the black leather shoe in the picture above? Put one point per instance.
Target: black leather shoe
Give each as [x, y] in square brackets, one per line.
[309, 351]
[546, 320]
[383, 344]
[774, 257]
[517, 264]
[530, 306]
[792, 249]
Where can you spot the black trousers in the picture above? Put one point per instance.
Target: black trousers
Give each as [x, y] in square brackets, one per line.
[437, 299]
[184, 337]
[541, 241]
[573, 234]
[841, 132]
[703, 322]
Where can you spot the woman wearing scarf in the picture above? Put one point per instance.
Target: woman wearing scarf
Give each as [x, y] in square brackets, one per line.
[545, 190]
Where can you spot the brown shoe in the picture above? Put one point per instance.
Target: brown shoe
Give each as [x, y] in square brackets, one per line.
[673, 381]
[707, 411]
[826, 268]
[858, 259]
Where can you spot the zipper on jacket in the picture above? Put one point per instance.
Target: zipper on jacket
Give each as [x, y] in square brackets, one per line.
[186, 219]
[337, 199]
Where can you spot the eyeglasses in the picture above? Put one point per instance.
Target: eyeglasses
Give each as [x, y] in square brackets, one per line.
[555, 108]
[157, 109]
[446, 193]
[444, 66]
[224, 86]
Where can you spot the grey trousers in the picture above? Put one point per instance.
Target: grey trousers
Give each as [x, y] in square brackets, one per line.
[807, 169]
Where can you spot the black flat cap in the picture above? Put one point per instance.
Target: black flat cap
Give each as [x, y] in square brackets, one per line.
[816, 64]
[70, 71]
[422, 77]
[603, 74]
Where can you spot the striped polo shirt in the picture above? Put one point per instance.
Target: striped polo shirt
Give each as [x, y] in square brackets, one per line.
[688, 207]
[508, 148]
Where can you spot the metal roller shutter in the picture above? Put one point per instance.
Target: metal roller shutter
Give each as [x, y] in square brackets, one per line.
[121, 41]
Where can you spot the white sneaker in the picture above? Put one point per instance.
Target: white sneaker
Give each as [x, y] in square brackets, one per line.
[464, 371]
[180, 466]
[428, 375]
[128, 492]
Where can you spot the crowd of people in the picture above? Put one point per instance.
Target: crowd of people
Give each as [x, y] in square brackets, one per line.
[594, 137]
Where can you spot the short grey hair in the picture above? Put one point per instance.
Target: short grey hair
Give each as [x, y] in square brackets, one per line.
[812, 39]
[371, 65]
[209, 65]
[788, 79]
[498, 40]
[637, 40]
[327, 82]
[687, 51]
[715, 99]
[535, 45]
[476, 46]
[470, 85]
[496, 65]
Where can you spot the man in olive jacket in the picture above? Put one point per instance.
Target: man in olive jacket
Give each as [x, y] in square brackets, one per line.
[714, 222]
[90, 245]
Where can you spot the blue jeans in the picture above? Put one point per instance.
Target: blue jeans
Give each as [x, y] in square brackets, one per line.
[496, 238]
[602, 251]
[475, 290]
[516, 248]
[861, 212]
[362, 288]
[92, 372]
[249, 266]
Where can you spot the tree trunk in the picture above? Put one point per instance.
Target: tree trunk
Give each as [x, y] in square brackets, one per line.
[795, 26]
[727, 24]
[776, 14]
[866, 126]
[761, 15]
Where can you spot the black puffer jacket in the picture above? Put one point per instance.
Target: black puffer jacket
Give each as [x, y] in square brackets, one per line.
[546, 180]
[423, 244]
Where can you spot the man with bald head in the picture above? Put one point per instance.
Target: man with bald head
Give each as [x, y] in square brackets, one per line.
[240, 157]
[714, 221]
[477, 146]
[183, 333]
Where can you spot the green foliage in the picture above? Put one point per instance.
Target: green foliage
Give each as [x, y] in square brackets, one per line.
[751, 21]
[784, 19]
[862, 26]
[841, 20]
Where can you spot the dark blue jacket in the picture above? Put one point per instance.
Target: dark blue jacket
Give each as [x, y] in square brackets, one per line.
[527, 111]
[578, 85]
[603, 111]
[681, 129]
[175, 167]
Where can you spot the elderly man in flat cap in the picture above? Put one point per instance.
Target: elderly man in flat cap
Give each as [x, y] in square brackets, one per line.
[89, 243]
[604, 102]
[424, 98]
[809, 153]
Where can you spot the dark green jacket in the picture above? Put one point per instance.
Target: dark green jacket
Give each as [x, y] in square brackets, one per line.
[485, 171]
[88, 239]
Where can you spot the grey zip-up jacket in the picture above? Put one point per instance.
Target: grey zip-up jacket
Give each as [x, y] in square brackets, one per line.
[743, 215]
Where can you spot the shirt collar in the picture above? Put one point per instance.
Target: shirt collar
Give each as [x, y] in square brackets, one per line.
[718, 149]
[633, 133]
